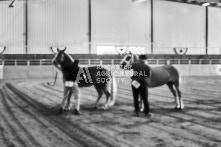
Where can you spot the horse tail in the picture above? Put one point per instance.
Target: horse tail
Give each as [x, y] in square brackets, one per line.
[112, 90]
[180, 79]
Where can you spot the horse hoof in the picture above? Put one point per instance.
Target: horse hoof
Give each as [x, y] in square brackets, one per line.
[67, 109]
[76, 112]
[95, 108]
[60, 111]
[104, 107]
[176, 108]
[137, 114]
[148, 114]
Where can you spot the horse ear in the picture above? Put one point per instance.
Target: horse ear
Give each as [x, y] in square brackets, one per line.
[58, 49]
[64, 49]
[130, 53]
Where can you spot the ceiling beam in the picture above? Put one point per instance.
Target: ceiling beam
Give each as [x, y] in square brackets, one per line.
[212, 3]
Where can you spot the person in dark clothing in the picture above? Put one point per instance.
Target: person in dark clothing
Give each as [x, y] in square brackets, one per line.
[70, 73]
[139, 85]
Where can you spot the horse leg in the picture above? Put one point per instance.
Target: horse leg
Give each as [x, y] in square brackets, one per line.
[100, 93]
[170, 85]
[180, 97]
[68, 106]
[64, 100]
[107, 93]
[76, 93]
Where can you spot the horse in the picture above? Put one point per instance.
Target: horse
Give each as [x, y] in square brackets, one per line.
[99, 77]
[161, 75]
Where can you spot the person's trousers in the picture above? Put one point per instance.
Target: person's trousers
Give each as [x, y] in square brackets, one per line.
[141, 91]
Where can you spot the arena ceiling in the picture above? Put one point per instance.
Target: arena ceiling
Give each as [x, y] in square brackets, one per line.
[209, 3]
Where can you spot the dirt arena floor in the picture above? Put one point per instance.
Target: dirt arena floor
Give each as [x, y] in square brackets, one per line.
[28, 117]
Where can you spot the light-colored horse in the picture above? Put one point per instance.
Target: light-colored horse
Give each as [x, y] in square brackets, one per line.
[166, 74]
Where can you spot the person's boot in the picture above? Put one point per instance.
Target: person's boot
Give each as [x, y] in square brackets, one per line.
[137, 114]
[76, 112]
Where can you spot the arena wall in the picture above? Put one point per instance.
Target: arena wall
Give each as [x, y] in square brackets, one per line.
[116, 22]
[95, 56]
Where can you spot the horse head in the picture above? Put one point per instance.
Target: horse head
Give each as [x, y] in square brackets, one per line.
[61, 59]
[128, 59]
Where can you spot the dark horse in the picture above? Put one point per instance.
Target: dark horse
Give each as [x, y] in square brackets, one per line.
[102, 79]
[159, 76]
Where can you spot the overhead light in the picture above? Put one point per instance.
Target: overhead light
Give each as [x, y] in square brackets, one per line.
[205, 4]
[213, 4]
[2, 49]
[138, 1]
[194, 2]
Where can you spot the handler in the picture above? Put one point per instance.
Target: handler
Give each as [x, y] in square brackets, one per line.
[71, 87]
[139, 85]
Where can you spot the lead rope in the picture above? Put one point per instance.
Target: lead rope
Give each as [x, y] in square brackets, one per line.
[55, 79]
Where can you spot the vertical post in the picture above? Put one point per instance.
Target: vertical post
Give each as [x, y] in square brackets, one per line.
[26, 25]
[206, 37]
[28, 68]
[151, 26]
[89, 25]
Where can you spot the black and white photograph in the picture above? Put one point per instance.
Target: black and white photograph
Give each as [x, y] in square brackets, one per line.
[110, 73]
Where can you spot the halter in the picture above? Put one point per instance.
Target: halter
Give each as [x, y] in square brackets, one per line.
[126, 62]
[60, 61]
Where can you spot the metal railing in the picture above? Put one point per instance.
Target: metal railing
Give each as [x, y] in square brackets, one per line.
[47, 62]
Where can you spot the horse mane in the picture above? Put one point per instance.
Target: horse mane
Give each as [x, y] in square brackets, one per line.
[135, 57]
[76, 61]
[68, 59]
[68, 62]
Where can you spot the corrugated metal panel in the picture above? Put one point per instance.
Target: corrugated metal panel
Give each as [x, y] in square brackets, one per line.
[12, 28]
[178, 25]
[58, 23]
[120, 22]
[214, 41]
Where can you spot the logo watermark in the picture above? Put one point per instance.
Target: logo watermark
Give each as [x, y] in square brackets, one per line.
[105, 73]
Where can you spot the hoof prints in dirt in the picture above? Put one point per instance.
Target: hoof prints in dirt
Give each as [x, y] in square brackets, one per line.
[197, 125]
[81, 136]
